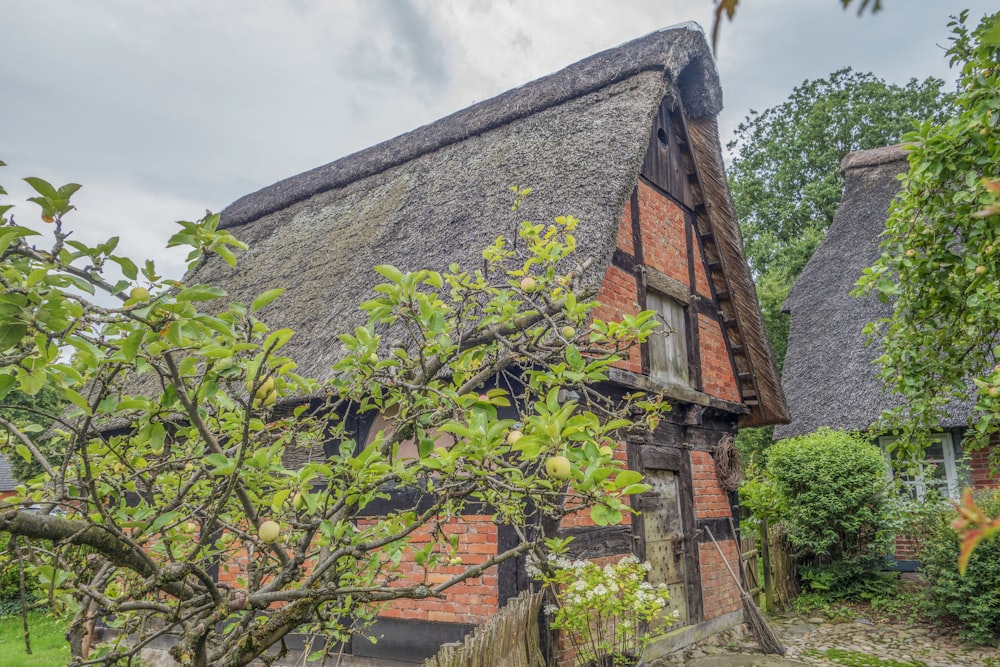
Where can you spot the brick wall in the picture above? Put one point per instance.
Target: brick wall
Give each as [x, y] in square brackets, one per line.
[720, 594]
[664, 244]
[710, 500]
[617, 296]
[663, 226]
[979, 462]
[471, 601]
[716, 367]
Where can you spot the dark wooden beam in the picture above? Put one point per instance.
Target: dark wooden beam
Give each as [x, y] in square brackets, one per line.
[598, 541]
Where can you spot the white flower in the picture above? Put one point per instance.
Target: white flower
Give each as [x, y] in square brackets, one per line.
[551, 609]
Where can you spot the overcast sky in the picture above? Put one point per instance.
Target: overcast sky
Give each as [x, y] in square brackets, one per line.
[165, 109]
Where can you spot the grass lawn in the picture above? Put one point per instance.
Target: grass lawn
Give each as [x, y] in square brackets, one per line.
[48, 646]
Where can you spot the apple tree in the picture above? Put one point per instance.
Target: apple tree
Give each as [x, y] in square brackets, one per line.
[170, 461]
[940, 261]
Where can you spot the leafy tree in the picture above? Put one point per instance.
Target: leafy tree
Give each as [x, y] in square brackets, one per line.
[785, 177]
[786, 183]
[183, 407]
[785, 174]
[940, 266]
[940, 261]
[32, 414]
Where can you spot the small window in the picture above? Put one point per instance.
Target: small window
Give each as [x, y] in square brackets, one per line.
[939, 470]
[668, 356]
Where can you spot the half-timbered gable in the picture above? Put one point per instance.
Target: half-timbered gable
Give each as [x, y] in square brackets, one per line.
[626, 141]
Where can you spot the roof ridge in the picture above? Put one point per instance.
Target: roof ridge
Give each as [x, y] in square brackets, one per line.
[873, 157]
[671, 49]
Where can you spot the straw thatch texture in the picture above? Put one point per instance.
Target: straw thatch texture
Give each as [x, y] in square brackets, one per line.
[439, 194]
[679, 52]
[580, 158]
[829, 376]
[757, 358]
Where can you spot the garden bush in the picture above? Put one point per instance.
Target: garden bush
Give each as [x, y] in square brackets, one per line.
[10, 594]
[836, 505]
[974, 598]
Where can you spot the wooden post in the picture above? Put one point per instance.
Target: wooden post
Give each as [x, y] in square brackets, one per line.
[765, 552]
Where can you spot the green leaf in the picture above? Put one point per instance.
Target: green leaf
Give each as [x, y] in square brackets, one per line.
[129, 269]
[574, 358]
[265, 299]
[200, 293]
[279, 499]
[11, 333]
[390, 272]
[130, 346]
[42, 187]
[7, 382]
[603, 515]
[626, 478]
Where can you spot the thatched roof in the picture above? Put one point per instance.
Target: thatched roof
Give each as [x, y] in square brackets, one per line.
[440, 194]
[829, 376]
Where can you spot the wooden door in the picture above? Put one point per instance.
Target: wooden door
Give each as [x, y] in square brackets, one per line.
[664, 534]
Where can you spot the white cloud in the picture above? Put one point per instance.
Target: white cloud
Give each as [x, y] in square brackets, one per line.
[165, 109]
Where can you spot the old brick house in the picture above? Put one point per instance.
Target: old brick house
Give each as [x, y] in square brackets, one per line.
[830, 373]
[627, 142]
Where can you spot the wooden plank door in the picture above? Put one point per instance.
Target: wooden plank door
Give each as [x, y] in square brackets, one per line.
[664, 535]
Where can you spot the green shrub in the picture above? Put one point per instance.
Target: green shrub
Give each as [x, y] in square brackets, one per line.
[8, 570]
[10, 598]
[973, 599]
[835, 502]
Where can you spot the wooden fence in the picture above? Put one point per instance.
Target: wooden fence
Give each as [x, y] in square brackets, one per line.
[768, 570]
[750, 556]
[509, 639]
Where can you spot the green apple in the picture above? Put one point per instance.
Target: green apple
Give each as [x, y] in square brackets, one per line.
[568, 332]
[557, 467]
[139, 294]
[513, 437]
[528, 284]
[269, 531]
[266, 387]
[299, 501]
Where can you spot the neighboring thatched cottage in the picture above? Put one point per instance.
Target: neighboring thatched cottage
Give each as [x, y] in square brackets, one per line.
[829, 374]
[627, 142]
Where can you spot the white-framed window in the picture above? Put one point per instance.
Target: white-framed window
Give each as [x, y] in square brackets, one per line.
[939, 470]
[668, 355]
